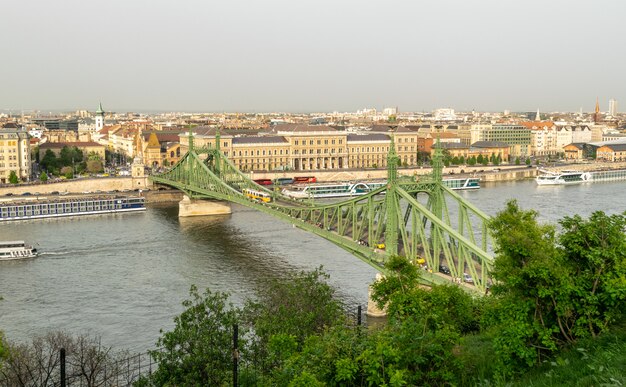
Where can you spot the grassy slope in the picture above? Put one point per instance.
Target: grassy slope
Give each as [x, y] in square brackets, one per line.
[592, 362]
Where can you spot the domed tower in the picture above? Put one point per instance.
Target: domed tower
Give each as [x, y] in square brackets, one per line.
[99, 118]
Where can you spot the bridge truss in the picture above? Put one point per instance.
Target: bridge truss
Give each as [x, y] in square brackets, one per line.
[421, 219]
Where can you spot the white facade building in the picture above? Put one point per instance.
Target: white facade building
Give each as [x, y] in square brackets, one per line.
[612, 107]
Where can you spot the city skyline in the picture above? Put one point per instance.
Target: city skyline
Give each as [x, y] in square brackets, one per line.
[311, 56]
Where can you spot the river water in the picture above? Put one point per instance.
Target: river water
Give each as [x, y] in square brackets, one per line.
[123, 276]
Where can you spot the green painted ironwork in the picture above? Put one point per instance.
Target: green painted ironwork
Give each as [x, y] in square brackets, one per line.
[410, 216]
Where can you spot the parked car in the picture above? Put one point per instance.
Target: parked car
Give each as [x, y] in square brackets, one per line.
[468, 278]
[444, 269]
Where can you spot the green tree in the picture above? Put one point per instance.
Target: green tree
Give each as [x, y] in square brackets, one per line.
[479, 159]
[462, 160]
[517, 161]
[198, 351]
[49, 161]
[455, 160]
[13, 179]
[433, 320]
[471, 161]
[298, 306]
[528, 279]
[550, 290]
[595, 251]
[43, 177]
[527, 161]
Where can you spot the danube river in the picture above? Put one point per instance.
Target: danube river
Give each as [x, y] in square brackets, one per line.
[123, 277]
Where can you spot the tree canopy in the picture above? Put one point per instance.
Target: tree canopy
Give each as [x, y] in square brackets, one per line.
[551, 290]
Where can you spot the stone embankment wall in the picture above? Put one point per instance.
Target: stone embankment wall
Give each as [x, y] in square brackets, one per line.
[79, 185]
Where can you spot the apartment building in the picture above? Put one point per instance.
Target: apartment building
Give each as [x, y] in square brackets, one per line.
[14, 152]
[543, 138]
[568, 134]
[518, 137]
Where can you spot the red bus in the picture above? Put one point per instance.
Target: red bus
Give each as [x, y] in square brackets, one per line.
[263, 181]
[304, 179]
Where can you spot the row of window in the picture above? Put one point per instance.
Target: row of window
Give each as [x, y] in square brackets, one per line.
[319, 142]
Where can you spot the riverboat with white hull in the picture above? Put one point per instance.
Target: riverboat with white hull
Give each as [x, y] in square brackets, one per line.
[563, 178]
[462, 183]
[331, 190]
[41, 209]
[12, 250]
[317, 191]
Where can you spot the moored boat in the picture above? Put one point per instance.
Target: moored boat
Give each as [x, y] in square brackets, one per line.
[331, 190]
[462, 183]
[38, 209]
[11, 250]
[563, 178]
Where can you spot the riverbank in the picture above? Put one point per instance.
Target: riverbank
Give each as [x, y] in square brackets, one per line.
[501, 173]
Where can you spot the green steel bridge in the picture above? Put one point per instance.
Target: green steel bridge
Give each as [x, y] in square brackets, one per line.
[420, 219]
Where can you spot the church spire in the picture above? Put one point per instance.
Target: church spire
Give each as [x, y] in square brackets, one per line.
[596, 114]
[99, 118]
[538, 116]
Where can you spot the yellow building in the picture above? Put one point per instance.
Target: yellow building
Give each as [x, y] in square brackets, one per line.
[14, 153]
[310, 147]
[368, 150]
[152, 152]
[611, 152]
[574, 151]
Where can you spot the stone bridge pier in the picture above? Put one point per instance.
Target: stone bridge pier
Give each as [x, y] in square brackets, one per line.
[198, 207]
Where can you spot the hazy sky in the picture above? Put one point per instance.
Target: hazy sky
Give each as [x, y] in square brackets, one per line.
[319, 55]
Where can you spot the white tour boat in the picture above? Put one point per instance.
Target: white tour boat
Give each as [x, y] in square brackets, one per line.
[331, 190]
[562, 178]
[462, 183]
[16, 250]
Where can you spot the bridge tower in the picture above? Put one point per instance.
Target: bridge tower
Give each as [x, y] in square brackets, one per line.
[391, 227]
